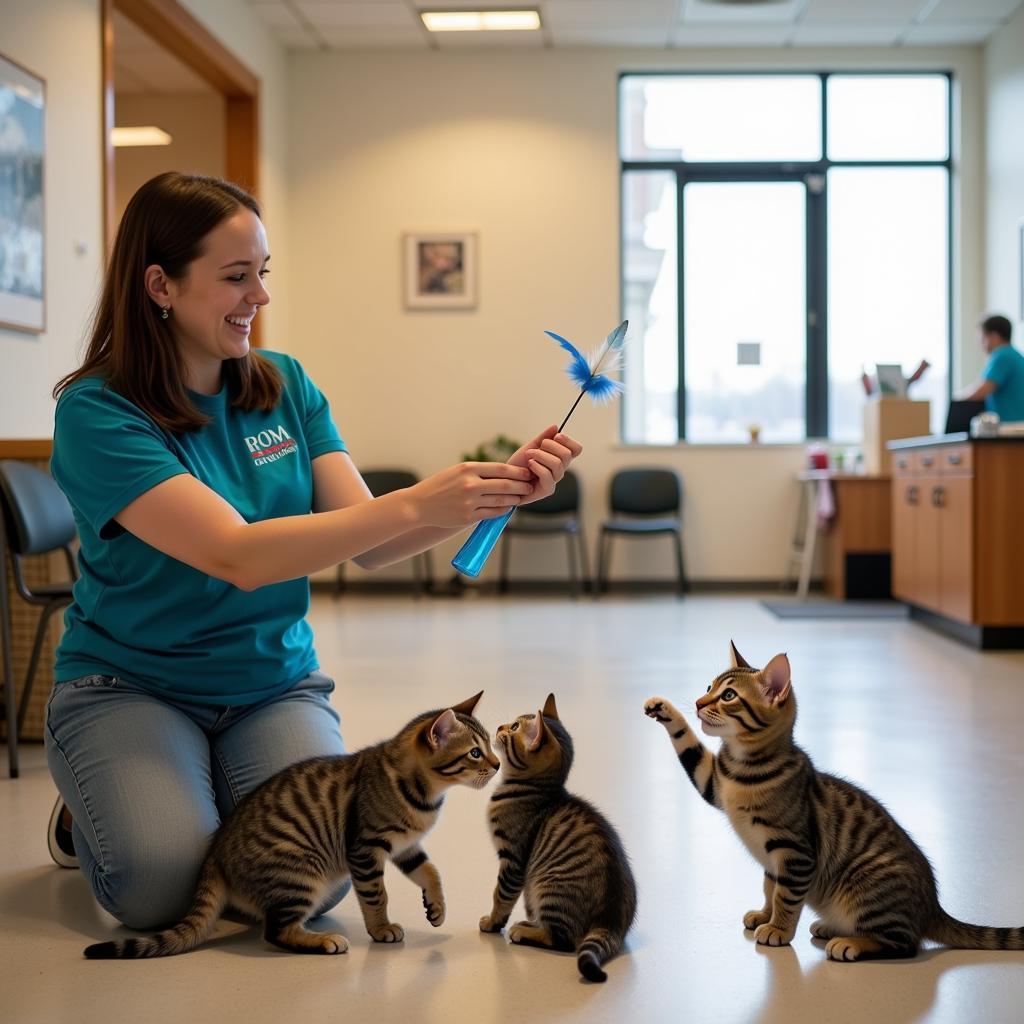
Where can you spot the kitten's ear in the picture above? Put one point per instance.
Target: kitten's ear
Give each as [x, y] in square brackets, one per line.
[775, 679]
[550, 711]
[442, 728]
[738, 661]
[536, 737]
[467, 706]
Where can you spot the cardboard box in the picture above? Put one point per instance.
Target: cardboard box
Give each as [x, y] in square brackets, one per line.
[890, 419]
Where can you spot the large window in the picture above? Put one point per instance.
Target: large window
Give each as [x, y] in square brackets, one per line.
[780, 235]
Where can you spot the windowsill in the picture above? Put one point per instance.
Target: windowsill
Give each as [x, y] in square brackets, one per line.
[622, 446]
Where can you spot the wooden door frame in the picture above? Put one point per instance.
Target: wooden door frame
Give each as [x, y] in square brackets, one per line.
[194, 45]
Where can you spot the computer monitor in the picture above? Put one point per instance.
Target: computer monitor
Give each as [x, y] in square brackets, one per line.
[958, 419]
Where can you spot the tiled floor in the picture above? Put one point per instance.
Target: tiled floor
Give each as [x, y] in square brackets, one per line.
[933, 729]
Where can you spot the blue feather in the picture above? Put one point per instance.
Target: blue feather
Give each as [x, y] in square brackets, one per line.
[578, 368]
[583, 372]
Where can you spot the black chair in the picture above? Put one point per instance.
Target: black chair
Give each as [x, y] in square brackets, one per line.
[37, 519]
[384, 481]
[555, 514]
[644, 503]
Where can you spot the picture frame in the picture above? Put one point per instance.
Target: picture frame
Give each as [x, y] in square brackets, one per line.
[891, 382]
[22, 208]
[440, 269]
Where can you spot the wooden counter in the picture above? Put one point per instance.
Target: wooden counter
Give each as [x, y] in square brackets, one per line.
[958, 554]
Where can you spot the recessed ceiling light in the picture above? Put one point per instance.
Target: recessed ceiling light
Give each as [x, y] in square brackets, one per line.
[147, 135]
[527, 20]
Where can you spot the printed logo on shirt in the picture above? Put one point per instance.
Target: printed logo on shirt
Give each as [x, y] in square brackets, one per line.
[270, 445]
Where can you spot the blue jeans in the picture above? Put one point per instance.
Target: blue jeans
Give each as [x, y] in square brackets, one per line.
[147, 780]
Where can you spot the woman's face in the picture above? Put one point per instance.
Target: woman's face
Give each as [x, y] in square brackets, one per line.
[213, 305]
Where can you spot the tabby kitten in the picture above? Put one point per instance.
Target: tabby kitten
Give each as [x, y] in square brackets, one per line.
[821, 840]
[557, 849]
[290, 843]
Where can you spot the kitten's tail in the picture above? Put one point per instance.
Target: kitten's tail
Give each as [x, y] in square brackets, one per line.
[195, 928]
[951, 932]
[599, 945]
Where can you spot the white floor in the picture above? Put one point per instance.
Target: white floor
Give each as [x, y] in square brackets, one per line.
[932, 728]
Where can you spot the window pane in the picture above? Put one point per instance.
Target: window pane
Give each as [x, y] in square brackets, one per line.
[888, 117]
[721, 117]
[649, 297]
[887, 285]
[745, 274]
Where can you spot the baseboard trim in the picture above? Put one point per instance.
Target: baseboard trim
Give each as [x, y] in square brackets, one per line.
[458, 585]
[982, 638]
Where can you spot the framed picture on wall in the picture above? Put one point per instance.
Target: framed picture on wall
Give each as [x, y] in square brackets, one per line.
[22, 145]
[440, 270]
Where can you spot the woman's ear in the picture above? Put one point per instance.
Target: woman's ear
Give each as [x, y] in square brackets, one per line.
[157, 285]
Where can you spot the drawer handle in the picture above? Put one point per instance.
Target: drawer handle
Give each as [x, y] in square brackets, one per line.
[955, 460]
[927, 460]
[912, 494]
[902, 463]
[939, 497]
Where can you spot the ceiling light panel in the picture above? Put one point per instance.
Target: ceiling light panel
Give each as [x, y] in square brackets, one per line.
[848, 11]
[700, 12]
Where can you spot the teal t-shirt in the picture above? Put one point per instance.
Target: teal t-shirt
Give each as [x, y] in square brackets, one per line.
[1005, 368]
[148, 618]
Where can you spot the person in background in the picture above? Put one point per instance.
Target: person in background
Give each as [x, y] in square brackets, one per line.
[1002, 380]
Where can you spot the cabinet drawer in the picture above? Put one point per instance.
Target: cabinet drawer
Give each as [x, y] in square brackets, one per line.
[927, 461]
[956, 460]
[903, 463]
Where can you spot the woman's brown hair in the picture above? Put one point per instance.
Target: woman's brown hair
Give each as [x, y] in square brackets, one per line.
[131, 346]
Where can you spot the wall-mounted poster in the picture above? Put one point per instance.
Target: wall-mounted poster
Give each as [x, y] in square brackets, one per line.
[22, 134]
[440, 270]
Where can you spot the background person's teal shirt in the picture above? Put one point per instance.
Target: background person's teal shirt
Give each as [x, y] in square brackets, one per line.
[1005, 369]
[143, 616]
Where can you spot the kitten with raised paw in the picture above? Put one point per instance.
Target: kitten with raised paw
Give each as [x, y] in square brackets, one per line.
[820, 839]
[294, 840]
[556, 849]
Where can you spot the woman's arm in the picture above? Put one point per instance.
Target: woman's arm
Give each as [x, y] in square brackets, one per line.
[337, 484]
[186, 520]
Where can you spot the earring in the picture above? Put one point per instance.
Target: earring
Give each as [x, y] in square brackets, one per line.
[166, 312]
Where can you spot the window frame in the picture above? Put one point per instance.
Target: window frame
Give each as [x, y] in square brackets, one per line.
[813, 173]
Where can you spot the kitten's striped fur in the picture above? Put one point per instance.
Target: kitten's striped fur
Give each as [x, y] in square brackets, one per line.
[290, 843]
[558, 850]
[821, 840]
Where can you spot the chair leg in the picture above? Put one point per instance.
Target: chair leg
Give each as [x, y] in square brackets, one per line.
[339, 579]
[586, 582]
[33, 663]
[503, 559]
[679, 562]
[11, 714]
[428, 571]
[574, 576]
[417, 576]
[603, 561]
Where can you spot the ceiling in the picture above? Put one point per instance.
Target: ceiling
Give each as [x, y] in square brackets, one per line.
[142, 65]
[351, 24]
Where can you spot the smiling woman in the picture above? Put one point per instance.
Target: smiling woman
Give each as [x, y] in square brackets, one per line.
[207, 482]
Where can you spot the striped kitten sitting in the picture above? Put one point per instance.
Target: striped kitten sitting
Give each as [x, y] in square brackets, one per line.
[820, 839]
[290, 843]
[557, 849]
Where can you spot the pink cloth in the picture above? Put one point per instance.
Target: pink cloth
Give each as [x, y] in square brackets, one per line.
[826, 503]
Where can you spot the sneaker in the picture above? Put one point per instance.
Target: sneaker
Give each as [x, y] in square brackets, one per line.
[58, 836]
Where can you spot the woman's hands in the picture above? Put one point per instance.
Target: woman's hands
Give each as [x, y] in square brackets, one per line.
[464, 494]
[547, 456]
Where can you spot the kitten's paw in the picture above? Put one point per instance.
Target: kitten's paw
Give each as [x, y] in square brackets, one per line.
[333, 943]
[755, 918]
[820, 930]
[388, 933]
[434, 909]
[769, 935]
[660, 710]
[522, 933]
[849, 948]
[490, 923]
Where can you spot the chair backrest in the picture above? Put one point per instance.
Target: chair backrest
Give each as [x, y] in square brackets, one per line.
[384, 481]
[37, 516]
[646, 492]
[564, 500]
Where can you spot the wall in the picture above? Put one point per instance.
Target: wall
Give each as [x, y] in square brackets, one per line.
[1004, 152]
[195, 122]
[60, 40]
[521, 147]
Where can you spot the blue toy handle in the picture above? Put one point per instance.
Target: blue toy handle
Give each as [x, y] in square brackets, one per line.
[473, 555]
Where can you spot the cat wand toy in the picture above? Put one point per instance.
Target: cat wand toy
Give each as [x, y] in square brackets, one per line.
[587, 374]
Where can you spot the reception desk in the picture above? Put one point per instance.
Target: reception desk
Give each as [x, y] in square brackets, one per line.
[957, 548]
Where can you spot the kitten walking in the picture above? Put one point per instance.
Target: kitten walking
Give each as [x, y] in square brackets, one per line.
[557, 849]
[290, 843]
[821, 840]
